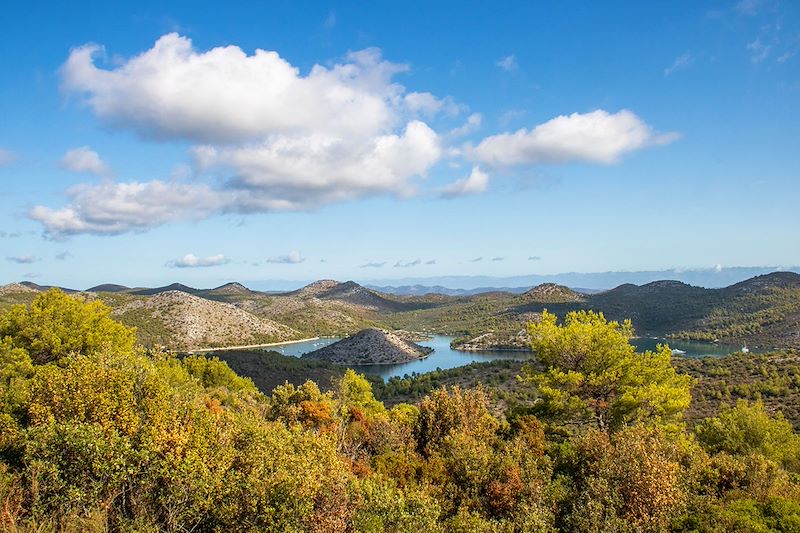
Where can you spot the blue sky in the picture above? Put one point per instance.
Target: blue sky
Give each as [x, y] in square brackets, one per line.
[142, 143]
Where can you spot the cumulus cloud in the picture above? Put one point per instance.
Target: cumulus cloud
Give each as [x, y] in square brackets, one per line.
[288, 141]
[472, 124]
[224, 94]
[302, 172]
[407, 264]
[267, 137]
[595, 137]
[680, 63]
[508, 63]
[292, 258]
[114, 208]
[373, 264]
[84, 159]
[475, 183]
[6, 157]
[427, 104]
[22, 259]
[193, 261]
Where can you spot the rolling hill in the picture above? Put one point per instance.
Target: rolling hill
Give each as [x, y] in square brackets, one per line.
[763, 311]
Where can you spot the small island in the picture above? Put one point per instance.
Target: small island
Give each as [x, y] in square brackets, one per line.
[371, 347]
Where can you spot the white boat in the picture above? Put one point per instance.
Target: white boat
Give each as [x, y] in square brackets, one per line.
[676, 351]
[745, 349]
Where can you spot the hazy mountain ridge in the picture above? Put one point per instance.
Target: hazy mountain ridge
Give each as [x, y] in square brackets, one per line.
[764, 310]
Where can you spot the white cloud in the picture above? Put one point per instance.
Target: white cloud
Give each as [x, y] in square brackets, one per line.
[224, 94]
[84, 159]
[681, 62]
[428, 105]
[278, 174]
[283, 173]
[472, 124]
[374, 264]
[193, 261]
[596, 137]
[6, 157]
[475, 183]
[268, 137]
[292, 258]
[113, 208]
[508, 63]
[289, 141]
[23, 259]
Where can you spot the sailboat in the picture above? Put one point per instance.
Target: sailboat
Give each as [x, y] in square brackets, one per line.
[745, 349]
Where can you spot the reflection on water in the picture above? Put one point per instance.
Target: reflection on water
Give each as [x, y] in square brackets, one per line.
[296, 349]
[444, 357]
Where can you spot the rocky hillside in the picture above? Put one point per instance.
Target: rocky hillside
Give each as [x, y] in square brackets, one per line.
[349, 293]
[16, 288]
[551, 293]
[763, 311]
[371, 347]
[184, 321]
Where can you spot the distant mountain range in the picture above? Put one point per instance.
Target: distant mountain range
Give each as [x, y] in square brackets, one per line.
[586, 282]
[763, 310]
[421, 290]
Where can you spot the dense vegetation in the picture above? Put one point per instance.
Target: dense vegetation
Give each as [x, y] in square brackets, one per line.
[97, 434]
[763, 311]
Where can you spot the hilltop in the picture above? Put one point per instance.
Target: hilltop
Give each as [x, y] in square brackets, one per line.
[763, 311]
[552, 293]
[181, 320]
[371, 347]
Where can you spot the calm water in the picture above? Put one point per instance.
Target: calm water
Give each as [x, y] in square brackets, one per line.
[444, 357]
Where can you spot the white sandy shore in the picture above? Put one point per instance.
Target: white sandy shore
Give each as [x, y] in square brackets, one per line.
[250, 346]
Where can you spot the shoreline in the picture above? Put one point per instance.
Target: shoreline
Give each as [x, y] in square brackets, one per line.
[250, 346]
[370, 364]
